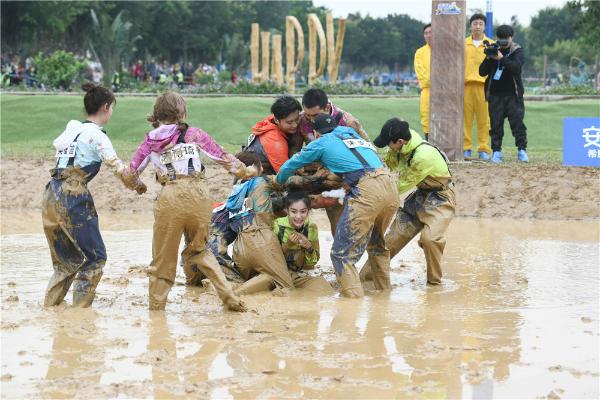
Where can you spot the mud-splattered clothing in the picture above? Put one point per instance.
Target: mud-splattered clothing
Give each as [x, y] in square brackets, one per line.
[183, 207]
[220, 237]
[369, 206]
[428, 210]
[69, 215]
[256, 249]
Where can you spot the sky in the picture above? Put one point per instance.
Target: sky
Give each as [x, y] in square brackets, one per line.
[421, 9]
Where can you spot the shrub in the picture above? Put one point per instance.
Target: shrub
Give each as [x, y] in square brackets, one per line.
[58, 70]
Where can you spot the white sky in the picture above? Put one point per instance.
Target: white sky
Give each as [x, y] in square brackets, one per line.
[421, 9]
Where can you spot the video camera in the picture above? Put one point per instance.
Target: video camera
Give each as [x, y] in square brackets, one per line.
[491, 49]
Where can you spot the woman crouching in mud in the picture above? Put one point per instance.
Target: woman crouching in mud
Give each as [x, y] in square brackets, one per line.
[183, 205]
[68, 213]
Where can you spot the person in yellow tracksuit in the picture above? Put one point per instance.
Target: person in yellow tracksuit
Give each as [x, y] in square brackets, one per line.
[475, 105]
[422, 69]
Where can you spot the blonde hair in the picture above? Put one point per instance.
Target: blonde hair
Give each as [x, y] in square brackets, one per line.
[169, 108]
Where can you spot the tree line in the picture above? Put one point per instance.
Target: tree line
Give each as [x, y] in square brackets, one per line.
[219, 31]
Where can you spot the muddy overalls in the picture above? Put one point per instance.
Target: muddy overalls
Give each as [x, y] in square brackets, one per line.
[369, 206]
[428, 210]
[183, 206]
[71, 227]
[256, 252]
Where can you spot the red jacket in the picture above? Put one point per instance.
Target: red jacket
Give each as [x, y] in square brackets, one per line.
[273, 141]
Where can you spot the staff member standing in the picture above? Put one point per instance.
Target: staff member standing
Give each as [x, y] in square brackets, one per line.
[475, 105]
[504, 93]
[430, 208]
[423, 71]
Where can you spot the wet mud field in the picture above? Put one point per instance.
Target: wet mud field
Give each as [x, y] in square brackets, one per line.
[516, 317]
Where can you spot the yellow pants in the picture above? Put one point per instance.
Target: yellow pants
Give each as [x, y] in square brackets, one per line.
[476, 106]
[424, 108]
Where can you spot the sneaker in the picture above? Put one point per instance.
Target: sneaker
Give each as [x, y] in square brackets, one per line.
[497, 157]
[484, 156]
[467, 154]
[522, 156]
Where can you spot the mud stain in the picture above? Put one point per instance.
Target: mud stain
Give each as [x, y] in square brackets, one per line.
[516, 316]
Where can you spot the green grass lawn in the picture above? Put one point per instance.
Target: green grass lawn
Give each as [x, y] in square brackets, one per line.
[30, 123]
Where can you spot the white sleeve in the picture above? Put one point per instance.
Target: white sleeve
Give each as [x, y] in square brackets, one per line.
[107, 152]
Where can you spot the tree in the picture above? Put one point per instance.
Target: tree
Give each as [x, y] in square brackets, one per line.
[587, 23]
[111, 44]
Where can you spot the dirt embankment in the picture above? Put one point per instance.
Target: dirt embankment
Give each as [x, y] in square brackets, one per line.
[482, 190]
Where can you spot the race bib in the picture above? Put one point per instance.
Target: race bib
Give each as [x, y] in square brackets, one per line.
[354, 143]
[250, 139]
[243, 210]
[179, 153]
[67, 152]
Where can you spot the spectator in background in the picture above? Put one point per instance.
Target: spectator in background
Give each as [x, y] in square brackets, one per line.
[504, 93]
[422, 69]
[475, 104]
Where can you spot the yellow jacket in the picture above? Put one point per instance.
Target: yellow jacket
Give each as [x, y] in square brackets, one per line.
[474, 56]
[423, 65]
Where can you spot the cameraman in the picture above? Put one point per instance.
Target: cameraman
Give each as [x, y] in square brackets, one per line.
[504, 91]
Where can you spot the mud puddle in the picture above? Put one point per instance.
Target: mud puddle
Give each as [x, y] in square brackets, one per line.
[517, 316]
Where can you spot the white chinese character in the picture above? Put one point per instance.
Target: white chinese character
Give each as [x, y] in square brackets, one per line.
[591, 136]
[592, 153]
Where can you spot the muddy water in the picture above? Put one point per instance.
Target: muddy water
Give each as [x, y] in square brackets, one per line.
[517, 316]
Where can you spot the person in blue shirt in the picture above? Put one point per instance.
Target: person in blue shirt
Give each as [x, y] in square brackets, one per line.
[369, 206]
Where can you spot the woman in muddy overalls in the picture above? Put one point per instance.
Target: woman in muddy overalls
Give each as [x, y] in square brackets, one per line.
[68, 213]
[183, 205]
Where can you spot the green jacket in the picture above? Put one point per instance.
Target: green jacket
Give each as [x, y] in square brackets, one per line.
[427, 162]
[298, 258]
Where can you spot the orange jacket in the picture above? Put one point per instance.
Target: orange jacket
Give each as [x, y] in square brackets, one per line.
[273, 141]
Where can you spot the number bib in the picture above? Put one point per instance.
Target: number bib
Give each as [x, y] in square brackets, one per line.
[179, 153]
[354, 143]
[67, 152]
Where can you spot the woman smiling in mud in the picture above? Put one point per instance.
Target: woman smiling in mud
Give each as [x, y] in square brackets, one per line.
[184, 204]
[68, 212]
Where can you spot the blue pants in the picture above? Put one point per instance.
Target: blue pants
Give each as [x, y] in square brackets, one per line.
[76, 247]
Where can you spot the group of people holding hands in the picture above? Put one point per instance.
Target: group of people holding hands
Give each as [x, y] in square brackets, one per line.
[302, 156]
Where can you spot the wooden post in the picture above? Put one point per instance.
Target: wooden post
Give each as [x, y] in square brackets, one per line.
[292, 24]
[545, 70]
[254, 51]
[334, 47]
[315, 28]
[447, 76]
[276, 66]
[264, 73]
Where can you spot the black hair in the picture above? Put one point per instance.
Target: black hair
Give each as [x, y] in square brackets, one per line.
[284, 106]
[293, 197]
[249, 158]
[396, 129]
[315, 97]
[476, 17]
[504, 31]
[95, 97]
[426, 26]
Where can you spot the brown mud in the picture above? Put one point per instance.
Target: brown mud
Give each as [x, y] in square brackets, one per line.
[482, 191]
[517, 315]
